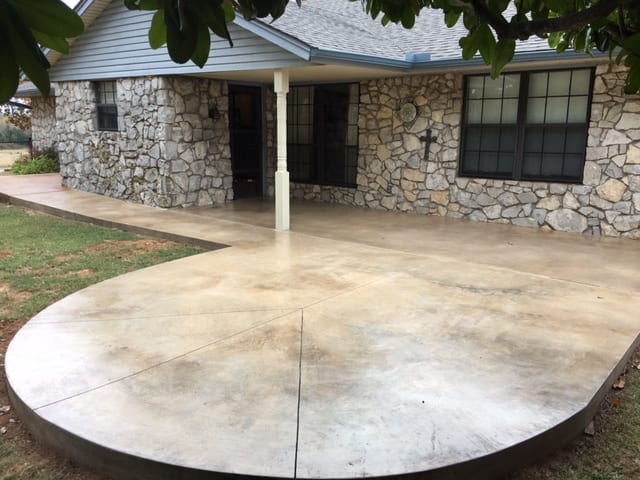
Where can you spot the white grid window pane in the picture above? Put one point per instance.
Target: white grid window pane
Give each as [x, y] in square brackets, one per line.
[475, 87]
[493, 88]
[578, 107]
[535, 110]
[538, 85]
[511, 86]
[557, 110]
[580, 82]
[510, 110]
[559, 83]
[491, 111]
[474, 113]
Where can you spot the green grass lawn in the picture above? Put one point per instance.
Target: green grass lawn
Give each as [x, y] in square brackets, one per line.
[43, 259]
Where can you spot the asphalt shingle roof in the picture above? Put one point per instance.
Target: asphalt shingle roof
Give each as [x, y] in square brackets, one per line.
[343, 26]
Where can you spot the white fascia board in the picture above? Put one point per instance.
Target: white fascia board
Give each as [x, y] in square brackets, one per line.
[544, 56]
[345, 58]
[83, 6]
[286, 42]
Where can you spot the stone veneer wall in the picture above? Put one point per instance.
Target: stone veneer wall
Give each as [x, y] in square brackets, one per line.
[167, 151]
[43, 123]
[393, 174]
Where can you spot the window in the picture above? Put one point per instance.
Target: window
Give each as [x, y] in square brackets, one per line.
[106, 105]
[527, 126]
[322, 132]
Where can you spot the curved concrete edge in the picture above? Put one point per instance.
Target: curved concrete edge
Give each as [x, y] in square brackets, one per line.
[149, 232]
[105, 460]
[124, 466]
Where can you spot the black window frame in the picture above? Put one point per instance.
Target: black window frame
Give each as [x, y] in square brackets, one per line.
[106, 105]
[314, 158]
[522, 127]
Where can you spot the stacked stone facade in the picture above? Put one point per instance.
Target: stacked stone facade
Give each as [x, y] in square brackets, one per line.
[167, 150]
[395, 174]
[43, 123]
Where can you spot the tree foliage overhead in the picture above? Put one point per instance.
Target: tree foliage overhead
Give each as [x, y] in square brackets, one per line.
[493, 26]
[185, 26]
[26, 27]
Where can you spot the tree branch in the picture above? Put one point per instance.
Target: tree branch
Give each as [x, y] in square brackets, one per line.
[574, 21]
[497, 21]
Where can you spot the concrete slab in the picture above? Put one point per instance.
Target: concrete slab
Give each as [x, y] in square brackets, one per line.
[360, 344]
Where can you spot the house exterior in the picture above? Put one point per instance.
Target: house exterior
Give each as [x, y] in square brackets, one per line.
[377, 117]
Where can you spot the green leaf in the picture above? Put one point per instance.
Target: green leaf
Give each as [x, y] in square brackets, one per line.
[215, 18]
[632, 61]
[580, 41]
[52, 17]
[229, 13]
[181, 43]
[505, 49]
[486, 43]
[276, 10]
[55, 43]
[25, 49]
[481, 38]
[632, 44]
[470, 20]
[373, 8]
[149, 5]
[408, 18]
[540, 14]
[602, 41]
[158, 30]
[554, 39]
[9, 75]
[632, 85]
[468, 48]
[203, 46]
[451, 17]
[498, 6]
[559, 6]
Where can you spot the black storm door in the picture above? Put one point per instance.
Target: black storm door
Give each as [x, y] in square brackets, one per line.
[245, 128]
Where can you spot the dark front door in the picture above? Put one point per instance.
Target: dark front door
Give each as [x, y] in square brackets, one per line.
[331, 119]
[245, 127]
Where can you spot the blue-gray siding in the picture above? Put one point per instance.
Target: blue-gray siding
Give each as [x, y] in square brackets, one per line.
[116, 45]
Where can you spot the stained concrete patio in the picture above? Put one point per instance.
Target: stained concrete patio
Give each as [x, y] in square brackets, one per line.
[361, 343]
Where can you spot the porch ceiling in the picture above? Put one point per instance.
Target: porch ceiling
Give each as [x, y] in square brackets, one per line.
[315, 73]
[309, 74]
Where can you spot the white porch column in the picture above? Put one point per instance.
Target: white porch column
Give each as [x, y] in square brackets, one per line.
[281, 88]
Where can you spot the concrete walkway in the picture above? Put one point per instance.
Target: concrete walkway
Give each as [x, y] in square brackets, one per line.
[361, 343]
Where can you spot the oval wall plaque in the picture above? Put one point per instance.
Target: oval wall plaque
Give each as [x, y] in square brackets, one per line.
[408, 112]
